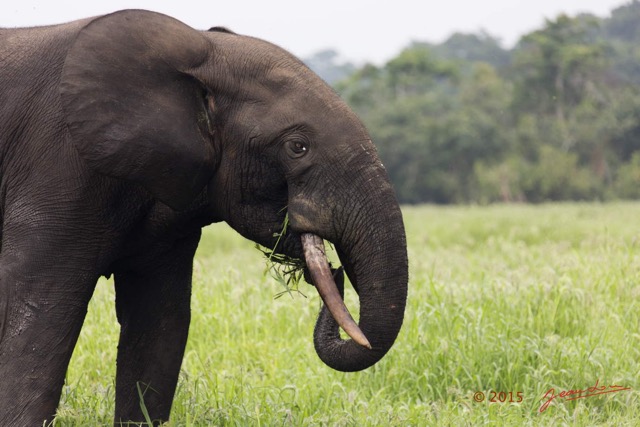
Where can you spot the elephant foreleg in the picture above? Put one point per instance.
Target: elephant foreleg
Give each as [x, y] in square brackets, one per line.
[40, 319]
[153, 308]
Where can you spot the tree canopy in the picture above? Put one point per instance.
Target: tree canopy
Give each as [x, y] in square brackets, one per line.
[466, 121]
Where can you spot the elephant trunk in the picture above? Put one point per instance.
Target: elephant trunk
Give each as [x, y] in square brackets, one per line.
[374, 254]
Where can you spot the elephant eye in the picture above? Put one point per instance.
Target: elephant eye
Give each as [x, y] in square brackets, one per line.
[298, 148]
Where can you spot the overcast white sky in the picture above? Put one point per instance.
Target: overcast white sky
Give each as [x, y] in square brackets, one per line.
[361, 30]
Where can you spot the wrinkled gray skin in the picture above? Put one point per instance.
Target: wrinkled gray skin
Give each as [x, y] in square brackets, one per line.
[120, 137]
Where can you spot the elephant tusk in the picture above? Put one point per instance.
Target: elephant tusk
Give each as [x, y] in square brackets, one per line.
[323, 280]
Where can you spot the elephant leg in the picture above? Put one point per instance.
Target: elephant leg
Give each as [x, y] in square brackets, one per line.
[41, 315]
[153, 308]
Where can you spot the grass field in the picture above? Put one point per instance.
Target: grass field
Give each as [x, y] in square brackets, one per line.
[502, 299]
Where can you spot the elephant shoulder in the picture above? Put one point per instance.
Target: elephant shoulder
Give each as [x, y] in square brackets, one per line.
[35, 54]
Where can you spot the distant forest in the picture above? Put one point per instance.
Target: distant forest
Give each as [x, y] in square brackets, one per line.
[466, 121]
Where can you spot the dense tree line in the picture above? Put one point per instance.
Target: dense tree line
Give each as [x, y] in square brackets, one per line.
[555, 118]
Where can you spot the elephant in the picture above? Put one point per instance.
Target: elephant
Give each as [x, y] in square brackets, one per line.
[121, 136]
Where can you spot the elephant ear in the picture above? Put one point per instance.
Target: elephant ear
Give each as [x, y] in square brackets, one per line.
[133, 108]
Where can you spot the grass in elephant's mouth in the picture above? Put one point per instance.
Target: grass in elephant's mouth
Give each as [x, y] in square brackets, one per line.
[286, 270]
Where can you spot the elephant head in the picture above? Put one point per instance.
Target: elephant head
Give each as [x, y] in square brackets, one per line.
[240, 129]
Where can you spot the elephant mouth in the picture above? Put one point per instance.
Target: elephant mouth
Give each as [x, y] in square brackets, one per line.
[322, 278]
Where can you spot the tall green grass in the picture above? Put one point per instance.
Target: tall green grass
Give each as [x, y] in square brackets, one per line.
[502, 298]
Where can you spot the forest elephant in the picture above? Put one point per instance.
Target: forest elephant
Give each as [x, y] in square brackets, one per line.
[121, 136]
